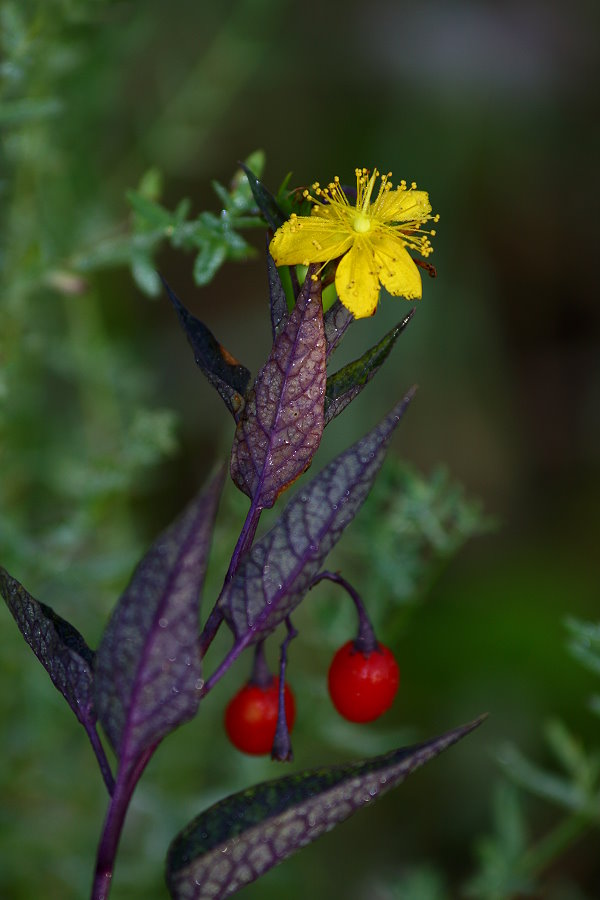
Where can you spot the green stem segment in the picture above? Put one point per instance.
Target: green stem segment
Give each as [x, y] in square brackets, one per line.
[553, 844]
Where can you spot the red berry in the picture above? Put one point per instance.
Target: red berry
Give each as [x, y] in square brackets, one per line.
[251, 717]
[363, 686]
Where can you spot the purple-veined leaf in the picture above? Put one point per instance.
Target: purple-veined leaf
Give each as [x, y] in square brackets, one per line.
[266, 202]
[243, 836]
[148, 674]
[281, 425]
[277, 299]
[348, 382]
[274, 576]
[226, 374]
[57, 644]
[336, 320]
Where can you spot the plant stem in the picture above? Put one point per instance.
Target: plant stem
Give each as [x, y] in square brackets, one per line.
[365, 642]
[105, 769]
[553, 844]
[113, 825]
[244, 542]
[282, 744]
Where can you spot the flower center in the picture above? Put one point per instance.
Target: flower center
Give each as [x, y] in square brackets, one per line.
[361, 223]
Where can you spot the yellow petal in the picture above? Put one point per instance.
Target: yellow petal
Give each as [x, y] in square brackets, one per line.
[357, 282]
[404, 206]
[308, 239]
[397, 270]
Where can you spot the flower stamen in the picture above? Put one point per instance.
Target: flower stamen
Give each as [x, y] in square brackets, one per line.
[371, 236]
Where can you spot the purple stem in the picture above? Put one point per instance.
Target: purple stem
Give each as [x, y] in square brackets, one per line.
[113, 825]
[282, 744]
[96, 743]
[226, 664]
[261, 674]
[244, 542]
[365, 641]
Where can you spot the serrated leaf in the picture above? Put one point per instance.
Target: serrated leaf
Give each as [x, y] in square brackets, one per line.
[57, 644]
[148, 675]
[274, 576]
[239, 839]
[225, 373]
[277, 299]
[281, 425]
[266, 202]
[348, 382]
[336, 320]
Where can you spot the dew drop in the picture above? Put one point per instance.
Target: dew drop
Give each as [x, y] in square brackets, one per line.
[199, 684]
[174, 690]
[163, 623]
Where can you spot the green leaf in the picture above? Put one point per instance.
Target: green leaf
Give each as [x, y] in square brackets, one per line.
[145, 275]
[151, 184]
[347, 383]
[500, 855]
[150, 212]
[210, 259]
[548, 785]
[243, 836]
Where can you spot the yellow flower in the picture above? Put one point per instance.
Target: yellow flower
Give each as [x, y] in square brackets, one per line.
[372, 237]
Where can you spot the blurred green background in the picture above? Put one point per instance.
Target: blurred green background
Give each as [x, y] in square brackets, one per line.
[107, 427]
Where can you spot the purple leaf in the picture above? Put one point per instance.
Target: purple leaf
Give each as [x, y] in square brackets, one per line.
[148, 676]
[336, 320]
[277, 298]
[274, 576]
[57, 644]
[345, 385]
[282, 422]
[242, 837]
[225, 373]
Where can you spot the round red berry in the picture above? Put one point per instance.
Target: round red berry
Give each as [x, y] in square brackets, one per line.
[251, 717]
[362, 686]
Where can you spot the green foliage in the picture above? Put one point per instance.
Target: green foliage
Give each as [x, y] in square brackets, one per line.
[500, 854]
[213, 237]
[411, 525]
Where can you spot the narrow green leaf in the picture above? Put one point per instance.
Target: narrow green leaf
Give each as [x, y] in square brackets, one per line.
[151, 213]
[209, 261]
[242, 837]
[348, 382]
